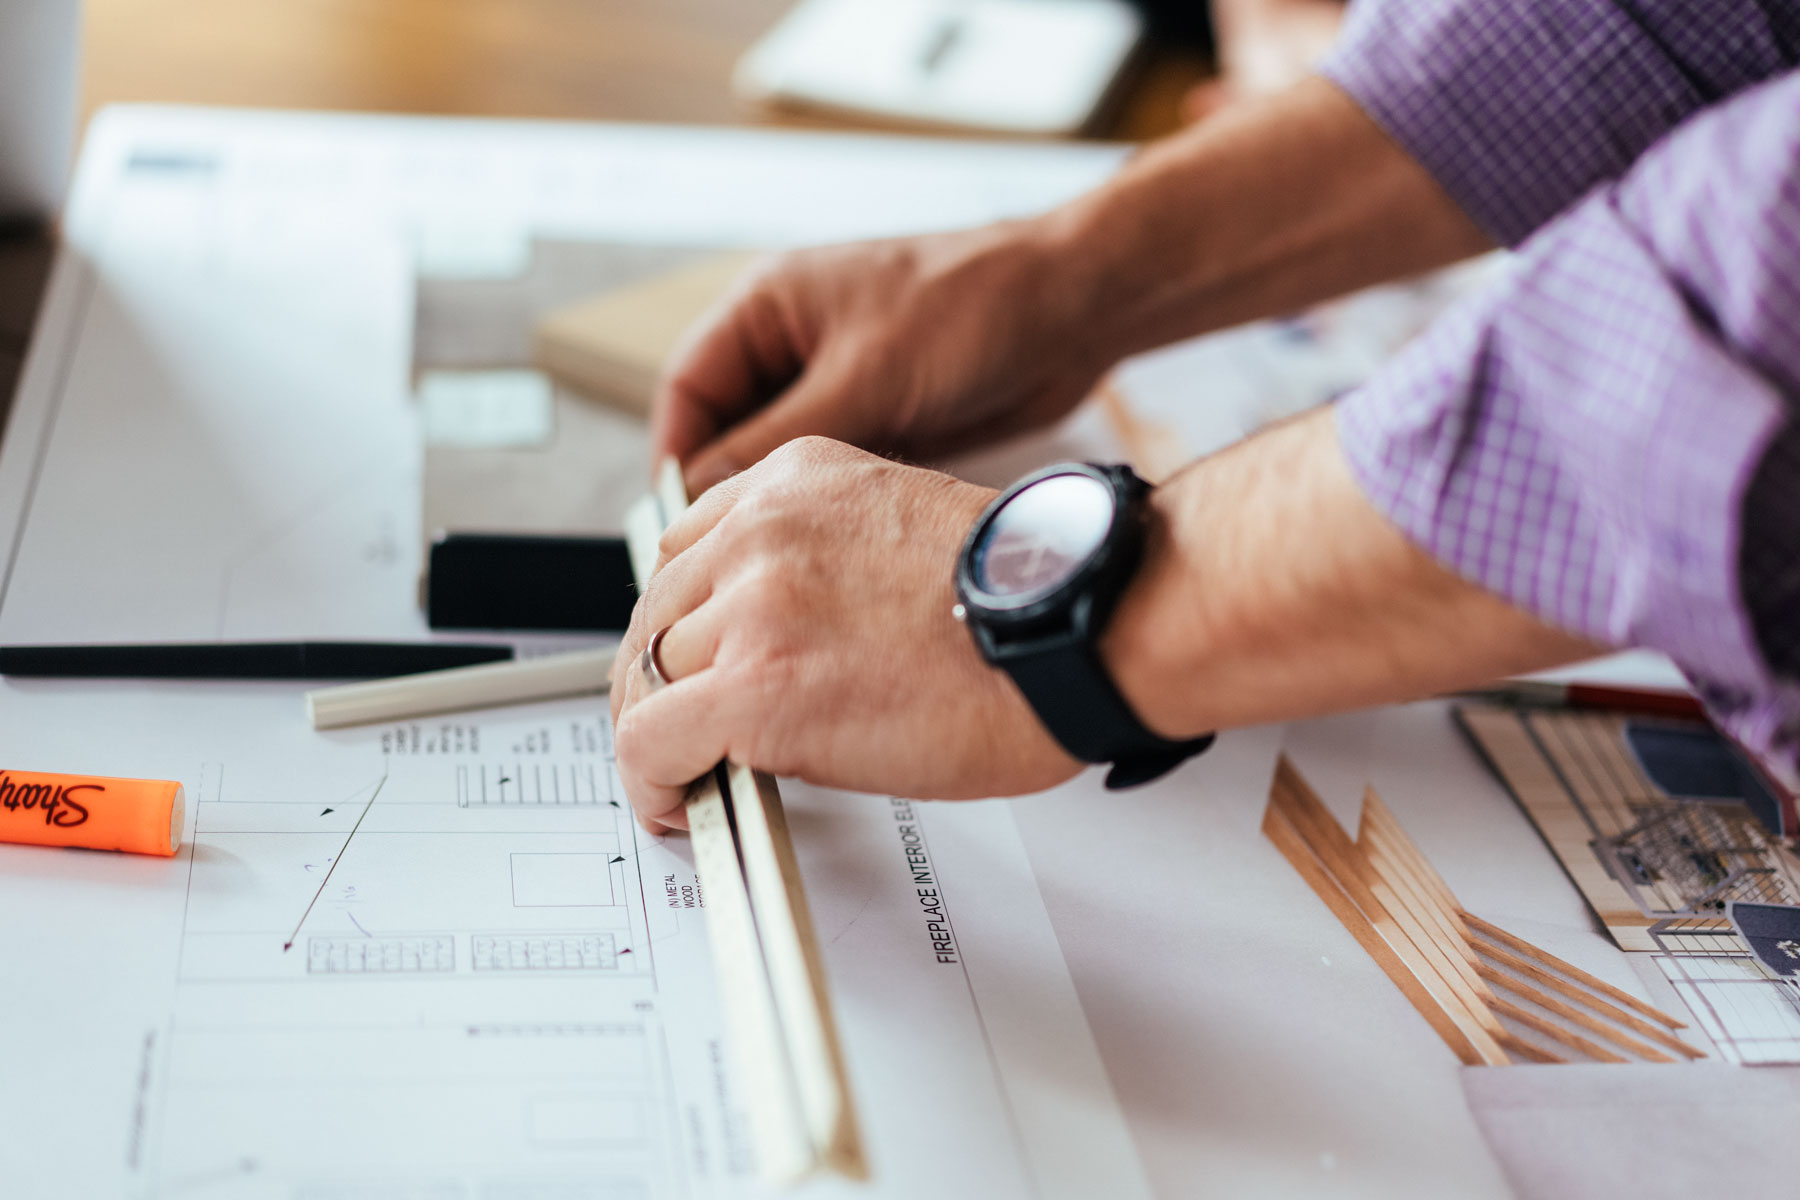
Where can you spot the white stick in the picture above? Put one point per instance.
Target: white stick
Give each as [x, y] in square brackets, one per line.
[783, 1036]
[546, 677]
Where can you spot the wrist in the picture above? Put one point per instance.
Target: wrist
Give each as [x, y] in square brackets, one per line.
[1271, 589]
[1156, 628]
[1273, 205]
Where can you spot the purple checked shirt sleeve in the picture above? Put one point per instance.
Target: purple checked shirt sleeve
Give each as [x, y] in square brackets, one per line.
[1610, 438]
[1517, 107]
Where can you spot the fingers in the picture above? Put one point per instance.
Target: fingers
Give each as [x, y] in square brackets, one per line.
[668, 738]
[737, 357]
[688, 647]
[814, 405]
[676, 589]
[698, 521]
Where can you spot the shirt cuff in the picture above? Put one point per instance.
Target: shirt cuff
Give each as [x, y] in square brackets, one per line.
[1576, 443]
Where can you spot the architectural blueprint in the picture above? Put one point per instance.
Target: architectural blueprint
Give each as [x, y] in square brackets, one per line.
[435, 959]
[440, 959]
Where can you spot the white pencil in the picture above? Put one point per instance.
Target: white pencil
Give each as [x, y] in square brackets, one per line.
[547, 677]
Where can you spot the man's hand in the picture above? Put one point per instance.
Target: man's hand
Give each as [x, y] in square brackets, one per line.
[808, 607]
[922, 346]
[914, 346]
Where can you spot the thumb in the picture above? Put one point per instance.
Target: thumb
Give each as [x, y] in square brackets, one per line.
[813, 405]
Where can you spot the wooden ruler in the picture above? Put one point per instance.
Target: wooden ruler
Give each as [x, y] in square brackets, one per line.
[784, 1039]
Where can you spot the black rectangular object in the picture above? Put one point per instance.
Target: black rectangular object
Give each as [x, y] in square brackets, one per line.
[550, 584]
[246, 660]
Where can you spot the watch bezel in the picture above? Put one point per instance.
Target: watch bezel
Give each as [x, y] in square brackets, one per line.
[1032, 618]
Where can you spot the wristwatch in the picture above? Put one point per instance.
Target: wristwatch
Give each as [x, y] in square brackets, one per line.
[1037, 581]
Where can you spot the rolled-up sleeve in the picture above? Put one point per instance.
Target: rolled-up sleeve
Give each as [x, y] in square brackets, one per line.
[1611, 438]
[1518, 107]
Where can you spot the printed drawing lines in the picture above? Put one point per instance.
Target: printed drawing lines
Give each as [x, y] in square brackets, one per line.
[289, 945]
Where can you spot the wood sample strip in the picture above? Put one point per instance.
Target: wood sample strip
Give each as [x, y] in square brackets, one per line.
[1293, 847]
[1530, 1051]
[1382, 836]
[1574, 1016]
[1294, 800]
[1599, 1004]
[1444, 953]
[1378, 817]
[1439, 924]
[613, 346]
[1487, 929]
[796, 970]
[1555, 1032]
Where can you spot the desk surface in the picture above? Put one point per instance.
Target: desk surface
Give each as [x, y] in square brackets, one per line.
[620, 60]
[616, 60]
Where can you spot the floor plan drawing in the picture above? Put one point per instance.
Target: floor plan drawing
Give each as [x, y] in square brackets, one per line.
[473, 953]
[435, 959]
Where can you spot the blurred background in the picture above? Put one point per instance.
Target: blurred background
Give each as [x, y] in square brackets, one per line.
[1129, 70]
[627, 60]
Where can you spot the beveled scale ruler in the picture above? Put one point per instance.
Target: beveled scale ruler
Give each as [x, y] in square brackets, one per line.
[783, 1037]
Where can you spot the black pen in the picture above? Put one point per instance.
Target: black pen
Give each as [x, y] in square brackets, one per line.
[247, 660]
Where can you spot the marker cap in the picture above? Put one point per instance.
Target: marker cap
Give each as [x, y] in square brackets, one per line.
[137, 816]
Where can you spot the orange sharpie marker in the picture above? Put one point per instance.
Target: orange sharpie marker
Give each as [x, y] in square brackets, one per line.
[140, 816]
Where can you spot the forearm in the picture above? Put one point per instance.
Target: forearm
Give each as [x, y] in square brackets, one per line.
[1271, 590]
[1269, 207]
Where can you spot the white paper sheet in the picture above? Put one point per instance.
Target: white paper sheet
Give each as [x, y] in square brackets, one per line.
[503, 988]
[500, 985]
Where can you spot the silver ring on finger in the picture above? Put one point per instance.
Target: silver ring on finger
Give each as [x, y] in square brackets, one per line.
[650, 664]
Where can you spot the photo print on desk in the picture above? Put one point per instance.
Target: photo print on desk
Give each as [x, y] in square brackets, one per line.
[1665, 827]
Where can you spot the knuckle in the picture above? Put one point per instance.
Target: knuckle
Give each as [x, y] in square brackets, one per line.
[761, 600]
[627, 736]
[655, 594]
[816, 448]
[668, 545]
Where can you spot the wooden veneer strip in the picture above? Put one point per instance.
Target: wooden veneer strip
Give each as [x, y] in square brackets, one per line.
[1293, 847]
[1599, 1004]
[1529, 1050]
[1487, 929]
[1527, 989]
[1389, 856]
[1552, 1030]
[1294, 799]
[1573, 1015]
[1377, 815]
[1444, 954]
[1380, 821]
[1405, 894]
[1433, 922]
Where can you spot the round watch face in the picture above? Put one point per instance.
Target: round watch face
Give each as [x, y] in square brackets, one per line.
[1042, 537]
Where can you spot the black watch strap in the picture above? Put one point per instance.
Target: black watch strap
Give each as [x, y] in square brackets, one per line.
[1075, 698]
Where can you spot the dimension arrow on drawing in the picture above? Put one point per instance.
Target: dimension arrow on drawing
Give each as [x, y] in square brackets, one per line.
[621, 858]
[328, 812]
[289, 944]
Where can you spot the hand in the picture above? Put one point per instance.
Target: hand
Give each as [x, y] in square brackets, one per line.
[914, 346]
[808, 607]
